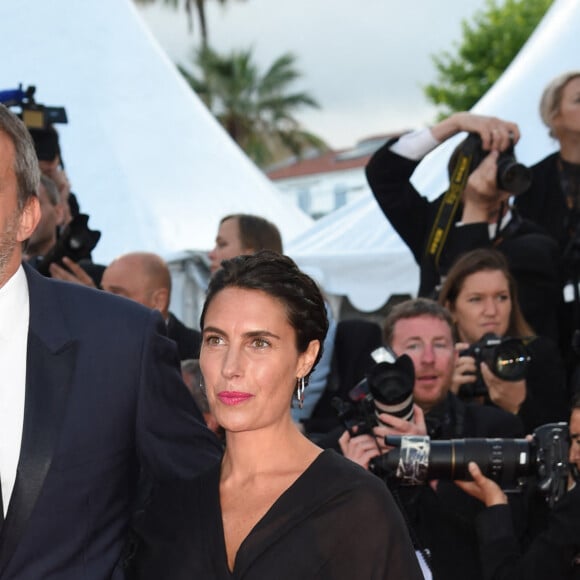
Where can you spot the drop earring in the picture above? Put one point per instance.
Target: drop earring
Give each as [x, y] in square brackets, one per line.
[300, 386]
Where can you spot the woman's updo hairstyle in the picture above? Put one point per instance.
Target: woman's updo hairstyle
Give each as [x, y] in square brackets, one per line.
[279, 277]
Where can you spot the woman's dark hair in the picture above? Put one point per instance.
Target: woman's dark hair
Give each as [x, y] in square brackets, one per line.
[279, 277]
[481, 260]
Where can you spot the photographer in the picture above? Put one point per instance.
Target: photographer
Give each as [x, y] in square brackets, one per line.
[555, 552]
[44, 236]
[481, 219]
[441, 517]
[480, 293]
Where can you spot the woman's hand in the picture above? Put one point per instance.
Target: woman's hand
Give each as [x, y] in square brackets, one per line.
[481, 198]
[465, 369]
[482, 488]
[508, 395]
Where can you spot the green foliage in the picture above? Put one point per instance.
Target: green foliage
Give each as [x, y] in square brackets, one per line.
[489, 45]
[255, 109]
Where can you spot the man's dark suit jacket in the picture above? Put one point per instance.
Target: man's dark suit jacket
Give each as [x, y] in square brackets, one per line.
[104, 404]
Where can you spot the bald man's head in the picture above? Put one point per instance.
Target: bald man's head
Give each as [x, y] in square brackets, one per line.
[140, 276]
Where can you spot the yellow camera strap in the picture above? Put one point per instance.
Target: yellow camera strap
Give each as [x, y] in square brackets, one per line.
[448, 208]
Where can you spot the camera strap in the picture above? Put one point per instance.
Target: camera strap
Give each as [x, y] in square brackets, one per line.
[448, 207]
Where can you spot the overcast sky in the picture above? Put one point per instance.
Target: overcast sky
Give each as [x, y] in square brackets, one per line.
[365, 62]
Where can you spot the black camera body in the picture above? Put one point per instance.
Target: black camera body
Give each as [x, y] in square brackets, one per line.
[511, 175]
[507, 357]
[76, 242]
[509, 462]
[33, 114]
[38, 118]
[386, 388]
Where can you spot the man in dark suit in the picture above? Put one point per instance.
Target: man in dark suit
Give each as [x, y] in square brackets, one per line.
[91, 403]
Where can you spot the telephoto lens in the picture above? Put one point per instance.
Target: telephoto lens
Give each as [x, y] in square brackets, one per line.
[417, 459]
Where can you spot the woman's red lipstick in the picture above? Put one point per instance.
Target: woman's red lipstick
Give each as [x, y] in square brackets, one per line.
[233, 397]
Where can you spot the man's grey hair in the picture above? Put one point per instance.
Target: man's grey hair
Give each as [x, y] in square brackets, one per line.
[25, 160]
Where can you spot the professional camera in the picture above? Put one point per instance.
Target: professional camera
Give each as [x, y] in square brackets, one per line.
[33, 114]
[507, 357]
[417, 459]
[386, 388]
[76, 242]
[511, 175]
[37, 118]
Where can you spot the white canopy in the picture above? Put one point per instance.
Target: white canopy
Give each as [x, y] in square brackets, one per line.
[148, 162]
[357, 252]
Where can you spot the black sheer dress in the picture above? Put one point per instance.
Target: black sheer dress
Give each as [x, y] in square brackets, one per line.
[335, 522]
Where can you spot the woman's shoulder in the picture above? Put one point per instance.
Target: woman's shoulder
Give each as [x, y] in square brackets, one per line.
[340, 475]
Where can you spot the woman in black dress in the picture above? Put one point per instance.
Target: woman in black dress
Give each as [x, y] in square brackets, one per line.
[277, 506]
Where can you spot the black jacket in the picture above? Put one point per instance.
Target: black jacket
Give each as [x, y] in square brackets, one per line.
[553, 554]
[187, 339]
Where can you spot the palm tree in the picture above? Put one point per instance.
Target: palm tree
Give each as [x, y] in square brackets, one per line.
[255, 109]
[187, 4]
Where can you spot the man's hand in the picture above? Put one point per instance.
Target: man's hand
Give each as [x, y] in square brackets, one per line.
[360, 448]
[396, 426]
[76, 273]
[482, 488]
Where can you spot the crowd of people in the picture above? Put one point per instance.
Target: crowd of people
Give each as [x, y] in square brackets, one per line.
[136, 447]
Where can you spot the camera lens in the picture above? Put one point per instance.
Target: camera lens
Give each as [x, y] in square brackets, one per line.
[509, 360]
[391, 385]
[416, 459]
[503, 460]
[512, 176]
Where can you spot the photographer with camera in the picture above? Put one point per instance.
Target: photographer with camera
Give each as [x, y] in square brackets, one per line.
[473, 213]
[555, 551]
[441, 517]
[44, 236]
[527, 377]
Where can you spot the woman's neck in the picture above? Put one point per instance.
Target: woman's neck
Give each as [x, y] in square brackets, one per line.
[570, 149]
[251, 453]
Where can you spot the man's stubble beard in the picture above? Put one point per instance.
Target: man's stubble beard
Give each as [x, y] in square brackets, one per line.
[8, 243]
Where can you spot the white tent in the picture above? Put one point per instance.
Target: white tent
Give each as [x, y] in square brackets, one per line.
[150, 165]
[356, 251]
